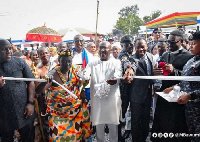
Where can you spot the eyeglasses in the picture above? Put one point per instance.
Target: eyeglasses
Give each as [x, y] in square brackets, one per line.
[77, 41]
[156, 32]
[128, 44]
[172, 42]
[7, 49]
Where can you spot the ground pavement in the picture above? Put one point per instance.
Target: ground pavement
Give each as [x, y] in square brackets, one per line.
[127, 140]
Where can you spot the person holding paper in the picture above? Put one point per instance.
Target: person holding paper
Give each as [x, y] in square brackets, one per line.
[191, 95]
[170, 117]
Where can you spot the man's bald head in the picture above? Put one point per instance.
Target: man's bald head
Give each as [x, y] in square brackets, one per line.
[104, 50]
[5, 50]
[3, 42]
[105, 43]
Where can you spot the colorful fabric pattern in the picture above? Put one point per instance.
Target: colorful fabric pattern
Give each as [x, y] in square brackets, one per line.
[69, 117]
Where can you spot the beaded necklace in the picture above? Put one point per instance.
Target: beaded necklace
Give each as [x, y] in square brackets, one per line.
[61, 74]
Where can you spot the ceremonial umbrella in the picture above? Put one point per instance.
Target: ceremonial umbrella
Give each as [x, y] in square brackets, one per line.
[43, 34]
[174, 19]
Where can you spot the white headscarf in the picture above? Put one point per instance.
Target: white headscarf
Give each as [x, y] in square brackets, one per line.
[117, 44]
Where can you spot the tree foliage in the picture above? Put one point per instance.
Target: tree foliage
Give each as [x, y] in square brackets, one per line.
[129, 24]
[129, 20]
[124, 12]
[154, 15]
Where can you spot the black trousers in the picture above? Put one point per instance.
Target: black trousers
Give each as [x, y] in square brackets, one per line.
[125, 96]
[27, 134]
[140, 117]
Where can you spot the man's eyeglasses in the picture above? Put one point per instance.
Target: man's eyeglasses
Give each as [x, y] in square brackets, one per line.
[156, 32]
[7, 49]
[77, 41]
[172, 42]
[128, 44]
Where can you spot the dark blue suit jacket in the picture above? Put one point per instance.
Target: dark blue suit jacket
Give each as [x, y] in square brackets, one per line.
[140, 88]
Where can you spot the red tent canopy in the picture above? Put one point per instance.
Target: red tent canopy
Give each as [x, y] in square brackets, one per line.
[174, 19]
[43, 34]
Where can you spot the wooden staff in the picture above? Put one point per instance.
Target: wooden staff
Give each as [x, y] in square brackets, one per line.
[37, 108]
[41, 124]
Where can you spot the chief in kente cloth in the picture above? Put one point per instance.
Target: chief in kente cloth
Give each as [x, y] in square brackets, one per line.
[68, 117]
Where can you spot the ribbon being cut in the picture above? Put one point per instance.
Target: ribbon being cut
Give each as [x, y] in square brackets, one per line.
[40, 80]
[181, 78]
[103, 88]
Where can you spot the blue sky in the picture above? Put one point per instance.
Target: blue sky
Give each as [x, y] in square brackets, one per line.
[19, 16]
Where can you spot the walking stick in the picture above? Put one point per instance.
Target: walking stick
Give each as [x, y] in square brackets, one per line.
[40, 120]
[37, 108]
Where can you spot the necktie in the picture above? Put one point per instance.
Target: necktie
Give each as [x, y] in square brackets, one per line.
[144, 63]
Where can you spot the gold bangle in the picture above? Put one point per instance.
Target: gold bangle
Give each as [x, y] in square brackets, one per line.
[46, 77]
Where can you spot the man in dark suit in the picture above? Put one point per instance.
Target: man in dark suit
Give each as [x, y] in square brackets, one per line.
[140, 64]
[127, 51]
[170, 117]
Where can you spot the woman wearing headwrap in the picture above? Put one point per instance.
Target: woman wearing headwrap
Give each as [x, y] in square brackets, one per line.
[69, 117]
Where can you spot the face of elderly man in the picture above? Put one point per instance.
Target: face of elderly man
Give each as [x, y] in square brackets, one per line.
[91, 47]
[78, 41]
[104, 51]
[62, 47]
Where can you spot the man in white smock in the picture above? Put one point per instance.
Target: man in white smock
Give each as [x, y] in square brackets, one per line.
[105, 94]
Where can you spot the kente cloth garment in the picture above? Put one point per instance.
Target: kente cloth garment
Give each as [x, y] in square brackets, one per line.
[69, 117]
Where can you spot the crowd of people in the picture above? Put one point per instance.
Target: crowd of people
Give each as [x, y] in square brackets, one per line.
[89, 89]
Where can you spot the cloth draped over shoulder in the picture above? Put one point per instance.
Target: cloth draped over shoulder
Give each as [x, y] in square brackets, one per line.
[85, 58]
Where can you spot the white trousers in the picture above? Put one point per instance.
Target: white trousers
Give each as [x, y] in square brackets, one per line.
[113, 132]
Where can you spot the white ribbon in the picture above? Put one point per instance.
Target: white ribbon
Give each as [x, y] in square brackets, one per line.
[24, 79]
[182, 78]
[40, 80]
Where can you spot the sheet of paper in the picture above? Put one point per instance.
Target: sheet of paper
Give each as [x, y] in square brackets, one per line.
[167, 97]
